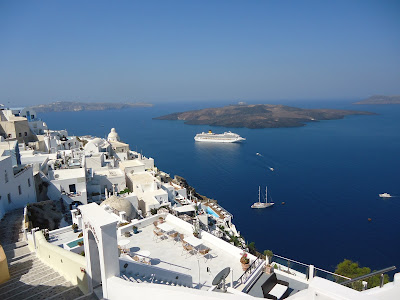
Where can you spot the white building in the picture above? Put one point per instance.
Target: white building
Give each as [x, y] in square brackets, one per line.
[68, 183]
[97, 145]
[12, 126]
[112, 180]
[148, 190]
[17, 186]
[132, 166]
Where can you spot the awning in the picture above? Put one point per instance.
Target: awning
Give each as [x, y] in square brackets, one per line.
[185, 208]
[203, 219]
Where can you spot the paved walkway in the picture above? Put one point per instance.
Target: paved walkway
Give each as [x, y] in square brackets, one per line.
[30, 278]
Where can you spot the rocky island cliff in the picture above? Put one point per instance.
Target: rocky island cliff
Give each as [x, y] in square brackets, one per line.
[80, 106]
[259, 116]
[380, 99]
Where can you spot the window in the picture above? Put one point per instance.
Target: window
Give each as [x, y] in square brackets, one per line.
[9, 135]
[19, 190]
[9, 198]
[29, 182]
[32, 116]
[20, 134]
[26, 133]
[5, 176]
[72, 188]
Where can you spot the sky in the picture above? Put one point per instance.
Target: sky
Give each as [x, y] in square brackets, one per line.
[160, 51]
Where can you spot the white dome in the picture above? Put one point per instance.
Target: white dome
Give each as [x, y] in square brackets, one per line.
[118, 203]
[113, 136]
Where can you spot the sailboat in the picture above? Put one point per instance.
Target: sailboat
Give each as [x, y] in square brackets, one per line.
[260, 204]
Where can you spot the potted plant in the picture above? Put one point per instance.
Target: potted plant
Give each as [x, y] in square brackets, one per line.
[80, 235]
[80, 243]
[75, 227]
[135, 229]
[245, 261]
[268, 268]
[127, 234]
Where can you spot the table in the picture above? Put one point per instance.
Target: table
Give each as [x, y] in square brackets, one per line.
[145, 254]
[165, 227]
[194, 241]
[278, 290]
[123, 243]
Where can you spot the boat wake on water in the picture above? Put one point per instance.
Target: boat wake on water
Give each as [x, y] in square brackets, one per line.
[270, 168]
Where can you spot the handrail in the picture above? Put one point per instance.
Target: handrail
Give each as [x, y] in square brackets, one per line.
[297, 262]
[334, 274]
[380, 272]
[242, 279]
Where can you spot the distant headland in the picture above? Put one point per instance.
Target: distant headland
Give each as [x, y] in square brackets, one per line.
[381, 99]
[80, 106]
[259, 116]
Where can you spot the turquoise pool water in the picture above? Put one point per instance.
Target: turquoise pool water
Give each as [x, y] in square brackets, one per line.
[211, 212]
[74, 243]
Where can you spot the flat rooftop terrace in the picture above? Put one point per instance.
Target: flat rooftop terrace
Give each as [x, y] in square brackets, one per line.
[169, 254]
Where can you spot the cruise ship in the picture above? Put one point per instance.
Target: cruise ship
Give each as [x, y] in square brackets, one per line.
[226, 137]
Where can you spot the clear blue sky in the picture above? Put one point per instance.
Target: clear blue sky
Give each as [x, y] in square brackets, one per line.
[197, 50]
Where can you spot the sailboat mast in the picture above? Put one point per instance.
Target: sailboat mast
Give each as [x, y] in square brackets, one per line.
[259, 189]
[266, 194]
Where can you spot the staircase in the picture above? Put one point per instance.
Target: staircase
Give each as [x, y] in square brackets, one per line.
[30, 278]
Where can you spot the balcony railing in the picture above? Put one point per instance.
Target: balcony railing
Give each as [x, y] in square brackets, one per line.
[364, 283]
[22, 170]
[250, 270]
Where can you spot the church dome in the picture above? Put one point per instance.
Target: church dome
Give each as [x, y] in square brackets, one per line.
[113, 136]
[118, 203]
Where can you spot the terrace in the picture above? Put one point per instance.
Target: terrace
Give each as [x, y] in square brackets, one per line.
[167, 253]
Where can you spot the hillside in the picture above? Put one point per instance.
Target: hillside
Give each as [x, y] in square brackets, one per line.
[259, 116]
[380, 99]
[80, 106]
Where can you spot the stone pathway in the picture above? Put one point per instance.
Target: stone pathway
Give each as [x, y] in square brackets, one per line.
[30, 278]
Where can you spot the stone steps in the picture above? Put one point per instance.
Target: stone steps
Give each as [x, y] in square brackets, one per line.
[42, 290]
[68, 294]
[17, 252]
[91, 296]
[21, 286]
[30, 278]
[26, 277]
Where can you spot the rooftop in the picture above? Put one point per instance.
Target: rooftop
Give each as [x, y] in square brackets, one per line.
[142, 178]
[130, 163]
[169, 254]
[109, 172]
[62, 174]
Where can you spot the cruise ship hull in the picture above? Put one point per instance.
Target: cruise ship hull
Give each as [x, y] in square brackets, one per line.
[226, 137]
[217, 141]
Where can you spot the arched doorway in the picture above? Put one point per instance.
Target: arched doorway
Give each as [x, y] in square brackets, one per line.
[100, 242]
[94, 261]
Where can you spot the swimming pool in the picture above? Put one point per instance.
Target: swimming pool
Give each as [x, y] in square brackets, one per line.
[74, 243]
[211, 212]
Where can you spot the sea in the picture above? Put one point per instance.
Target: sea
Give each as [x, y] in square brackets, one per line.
[325, 184]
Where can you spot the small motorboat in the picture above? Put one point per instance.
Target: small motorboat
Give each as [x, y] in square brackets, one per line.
[385, 195]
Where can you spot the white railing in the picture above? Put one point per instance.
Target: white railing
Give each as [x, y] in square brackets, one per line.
[132, 268]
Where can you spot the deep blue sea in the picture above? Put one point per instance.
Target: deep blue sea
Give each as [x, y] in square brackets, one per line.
[328, 173]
